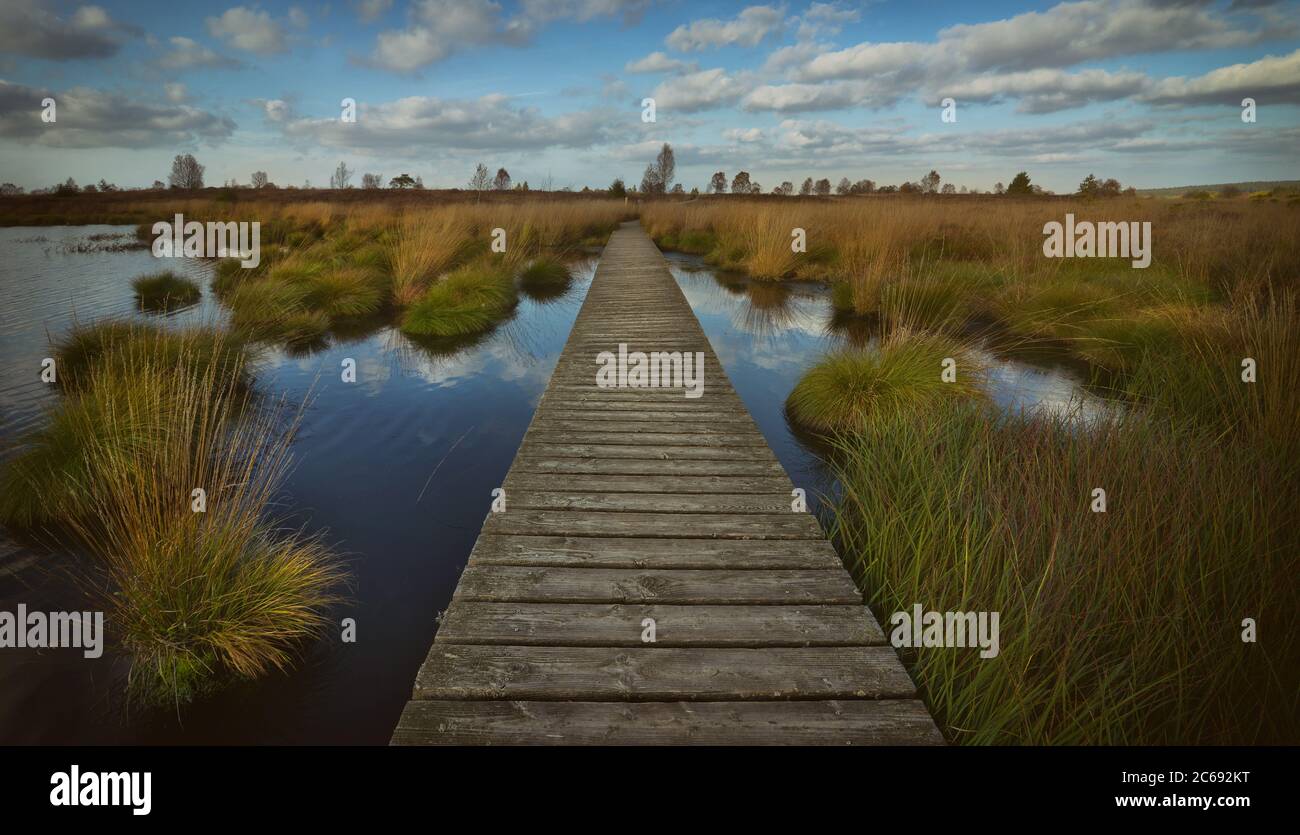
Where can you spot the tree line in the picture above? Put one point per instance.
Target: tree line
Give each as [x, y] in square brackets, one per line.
[658, 178]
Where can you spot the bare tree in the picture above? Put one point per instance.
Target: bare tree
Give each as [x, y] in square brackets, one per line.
[502, 180]
[481, 179]
[718, 183]
[372, 180]
[807, 187]
[9, 189]
[740, 183]
[823, 187]
[844, 187]
[930, 182]
[186, 172]
[341, 176]
[259, 179]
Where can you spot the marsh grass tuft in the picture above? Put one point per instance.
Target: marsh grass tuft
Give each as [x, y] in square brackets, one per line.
[165, 291]
[848, 389]
[193, 597]
[124, 346]
[469, 299]
[1116, 628]
[545, 279]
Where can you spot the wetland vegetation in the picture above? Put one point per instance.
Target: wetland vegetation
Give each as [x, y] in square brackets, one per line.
[1118, 626]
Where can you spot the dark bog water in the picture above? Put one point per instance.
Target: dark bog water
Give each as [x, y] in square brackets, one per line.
[397, 468]
[767, 335]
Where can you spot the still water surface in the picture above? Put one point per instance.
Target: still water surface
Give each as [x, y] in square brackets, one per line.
[397, 469]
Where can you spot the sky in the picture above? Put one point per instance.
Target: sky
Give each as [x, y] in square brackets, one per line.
[1146, 91]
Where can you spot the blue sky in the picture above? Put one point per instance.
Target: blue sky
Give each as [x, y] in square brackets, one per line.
[1146, 91]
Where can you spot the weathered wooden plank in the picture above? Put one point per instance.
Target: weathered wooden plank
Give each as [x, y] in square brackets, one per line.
[693, 419]
[634, 503]
[699, 432]
[537, 584]
[666, 452]
[596, 486]
[582, 624]
[653, 502]
[661, 438]
[883, 722]
[656, 525]
[594, 402]
[463, 671]
[643, 466]
[629, 552]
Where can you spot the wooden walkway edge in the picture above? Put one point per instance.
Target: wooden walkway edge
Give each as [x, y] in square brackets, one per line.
[626, 506]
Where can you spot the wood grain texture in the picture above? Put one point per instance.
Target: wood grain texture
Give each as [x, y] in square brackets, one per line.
[464, 671]
[831, 722]
[649, 581]
[676, 585]
[622, 625]
[631, 552]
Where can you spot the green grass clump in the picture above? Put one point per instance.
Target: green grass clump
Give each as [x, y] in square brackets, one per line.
[932, 302]
[848, 389]
[165, 291]
[1053, 309]
[1199, 378]
[470, 299]
[194, 598]
[1121, 627]
[1117, 342]
[692, 241]
[544, 272]
[276, 311]
[544, 279]
[126, 347]
[50, 482]
[345, 292]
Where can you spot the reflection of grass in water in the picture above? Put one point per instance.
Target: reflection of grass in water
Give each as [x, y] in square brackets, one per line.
[545, 280]
[767, 310]
[856, 330]
[733, 283]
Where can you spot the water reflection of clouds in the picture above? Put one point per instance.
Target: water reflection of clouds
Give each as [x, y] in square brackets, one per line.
[761, 310]
[520, 350]
[1051, 392]
[782, 330]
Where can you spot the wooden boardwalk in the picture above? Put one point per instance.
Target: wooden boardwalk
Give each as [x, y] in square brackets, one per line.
[630, 504]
